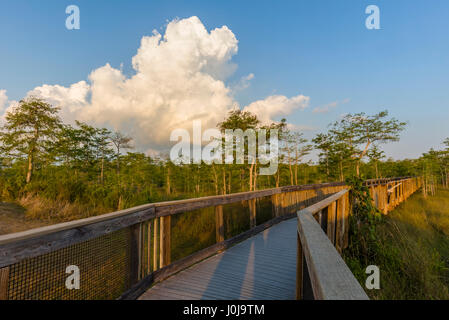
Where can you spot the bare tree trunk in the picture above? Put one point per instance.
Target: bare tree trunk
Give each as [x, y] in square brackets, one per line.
[277, 179]
[377, 170]
[120, 203]
[215, 179]
[424, 186]
[251, 176]
[118, 160]
[168, 181]
[447, 182]
[290, 167]
[342, 178]
[296, 174]
[255, 177]
[30, 167]
[102, 171]
[224, 181]
[296, 166]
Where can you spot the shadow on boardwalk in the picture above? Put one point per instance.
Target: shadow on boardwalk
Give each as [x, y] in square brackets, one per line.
[262, 267]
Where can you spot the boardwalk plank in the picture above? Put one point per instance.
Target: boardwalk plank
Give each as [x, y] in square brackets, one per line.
[261, 267]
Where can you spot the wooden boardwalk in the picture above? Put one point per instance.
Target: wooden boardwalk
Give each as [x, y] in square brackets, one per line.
[262, 267]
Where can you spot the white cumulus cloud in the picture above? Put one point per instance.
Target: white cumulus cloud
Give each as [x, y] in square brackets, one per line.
[179, 77]
[3, 99]
[274, 106]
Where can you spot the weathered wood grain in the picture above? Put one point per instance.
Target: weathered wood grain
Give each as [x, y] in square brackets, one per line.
[330, 278]
[155, 244]
[4, 283]
[165, 241]
[322, 204]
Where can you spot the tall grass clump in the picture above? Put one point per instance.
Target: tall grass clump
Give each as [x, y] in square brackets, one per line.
[45, 209]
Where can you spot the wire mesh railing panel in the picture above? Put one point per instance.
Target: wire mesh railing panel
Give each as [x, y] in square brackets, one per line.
[236, 218]
[103, 264]
[264, 210]
[191, 232]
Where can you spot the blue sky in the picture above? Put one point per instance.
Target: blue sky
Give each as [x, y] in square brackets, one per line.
[317, 48]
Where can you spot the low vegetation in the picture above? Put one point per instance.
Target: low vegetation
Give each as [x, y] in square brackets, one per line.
[410, 246]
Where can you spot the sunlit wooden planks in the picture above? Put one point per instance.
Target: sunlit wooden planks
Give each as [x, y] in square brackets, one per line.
[261, 267]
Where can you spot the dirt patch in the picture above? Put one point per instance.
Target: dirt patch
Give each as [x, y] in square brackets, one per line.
[13, 219]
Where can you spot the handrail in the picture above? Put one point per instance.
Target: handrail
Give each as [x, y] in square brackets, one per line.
[320, 264]
[313, 209]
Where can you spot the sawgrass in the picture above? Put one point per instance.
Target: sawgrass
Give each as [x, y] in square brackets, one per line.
[412, 250]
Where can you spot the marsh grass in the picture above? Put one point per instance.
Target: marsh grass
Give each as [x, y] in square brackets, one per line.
[411, 250]
[40, 208]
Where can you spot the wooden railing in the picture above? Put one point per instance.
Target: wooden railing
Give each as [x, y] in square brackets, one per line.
[322, 234]
[121, 254]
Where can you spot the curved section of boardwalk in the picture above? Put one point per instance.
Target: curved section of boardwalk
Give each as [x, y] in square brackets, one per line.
[261, 267]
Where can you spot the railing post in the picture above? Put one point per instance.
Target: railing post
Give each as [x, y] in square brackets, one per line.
[219, 225]
[283, 202]
[275, 203]
[149, 248]
[141, 250]
[331, 219]
[339, 224]
[4, 282]
[252, 213]
[345, 220]
[165, 252]
[155, 244]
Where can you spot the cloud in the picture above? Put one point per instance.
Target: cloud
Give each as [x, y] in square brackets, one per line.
[243, 83]
[72, 100]
[277, 105]
[328, 107]
[6, 105]
[3, 99]
[179, 77]
[301, 127]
